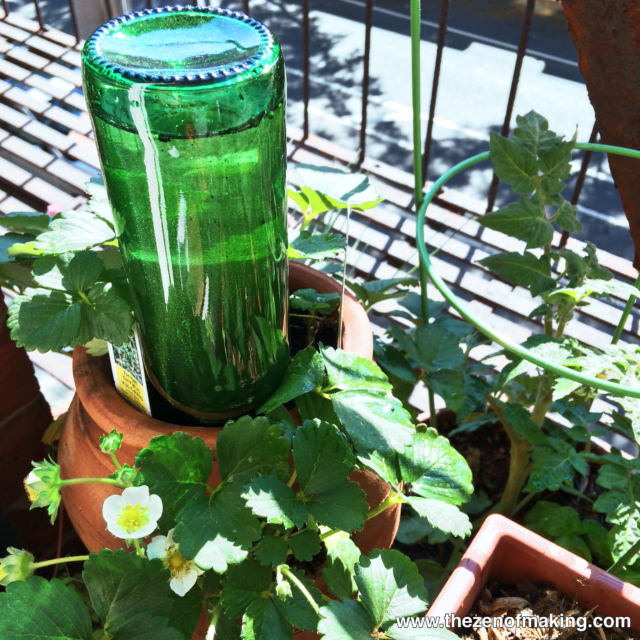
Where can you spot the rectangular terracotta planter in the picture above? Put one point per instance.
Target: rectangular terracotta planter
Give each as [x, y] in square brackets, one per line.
[505, 551]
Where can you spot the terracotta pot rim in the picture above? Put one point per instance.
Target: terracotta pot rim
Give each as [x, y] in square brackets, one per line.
[105, 405]
[501, 539]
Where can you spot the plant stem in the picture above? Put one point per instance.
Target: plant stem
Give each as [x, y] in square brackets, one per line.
[392, 498]
[519, 464]
[344, 279]
[524, 502]
[115, 483]
[302, 315]
[543, 401]
[625, 315]
[633, 550]
[328, 534]
[48, 563]
[139, 549]
[287, 572]
[292, 479]
[115, 461]
[548, 322]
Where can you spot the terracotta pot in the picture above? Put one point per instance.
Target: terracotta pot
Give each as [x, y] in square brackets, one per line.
[505, 551]
[97, 408]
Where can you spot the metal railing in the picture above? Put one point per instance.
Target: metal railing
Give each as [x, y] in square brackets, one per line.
[113, 6]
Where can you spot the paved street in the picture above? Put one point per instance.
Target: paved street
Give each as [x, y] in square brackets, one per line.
[477, 66]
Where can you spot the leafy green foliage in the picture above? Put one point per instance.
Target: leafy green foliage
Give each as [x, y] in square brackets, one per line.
[128, 591]
[275, 501]
[350, 371]
[305, 545]
[30, 222]
[308, 246]
[41, 609]
[524, 269]
[374, 291]
[441, 515]
[554, 463]
[339, 572]
[314, 302]
[75, 303]
[513, 164]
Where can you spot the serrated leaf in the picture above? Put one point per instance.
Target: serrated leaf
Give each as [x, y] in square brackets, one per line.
[313, 246]
[553, 466]
[74, 231]
[17, 273]
[108, 316]
[311, 300]
[446, 517]
[351, 371]
[275, 501]
[176, 468]
[513, 164]
[431, 346]
[45, 320]
[45, 610]
[385, 467]
[262, 621]
[69, 272]
[296, 608]
[272, 551]
[435, 469]
[393, 361]
[17, 245]
[555, 161]
[346, 620]
[313, 406]
[520, 419]
[523, 269]
[532, 133]
[320, 457]
[602, 287]
[218, 554]
[449, 385]
[620, 501]
[97, 347]
[375, 421]
[389, 586]
[348, 188]
[523, 220]
[374, 291]
[223, 514]
[26, 222]
[143, 626]
[305, 545]
[339, 572]
[554, 352]
[122, 585]
[248, 447]
[244, 584]
[567, 218]
[305, 373]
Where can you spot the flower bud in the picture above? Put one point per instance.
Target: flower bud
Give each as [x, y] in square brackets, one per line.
[283, 588]
[43, 486]
[124, 476]
[111, 442]
[17, 566]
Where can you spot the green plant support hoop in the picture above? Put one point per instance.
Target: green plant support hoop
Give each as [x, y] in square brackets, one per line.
[509, 345]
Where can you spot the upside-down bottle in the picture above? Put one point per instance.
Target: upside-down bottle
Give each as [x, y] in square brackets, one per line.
[188, 105]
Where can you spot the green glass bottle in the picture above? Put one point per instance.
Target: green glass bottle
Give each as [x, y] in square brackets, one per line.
[188, 107]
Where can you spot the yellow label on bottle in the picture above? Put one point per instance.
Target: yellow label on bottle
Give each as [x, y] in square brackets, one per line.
[127, 367]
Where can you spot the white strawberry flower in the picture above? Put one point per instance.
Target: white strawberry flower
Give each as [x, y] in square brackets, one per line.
[184, 573]
[134, 514]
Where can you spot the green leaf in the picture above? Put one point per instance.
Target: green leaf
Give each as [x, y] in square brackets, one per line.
[320, 457]
[513, 164]
[97, 347]
[552, 519]
[620, 501]
[17, 273]
[143, 626]
[305, 545]
[223, 515]
[601, 287]
[555, 162]
[441, 515]
[70, 272]
[567, 218]
[375, 291]
[449, 385]
[435, 469]
[17, 245]
[349, 188]
[523, 220]
[554, 465]
[45, 320]
[432, 346]
[108, 316]
[272, 551]
[176, 468]
[385, 467]
[122, 585]
[346, 620]
[375, 421]
[244, 584]
[520, 419]
[44, 610]
[532, 133]
[296, 608]
[413, 528]
[350, 371]
[262, 621]
[26, 222]
[282, 417]
[312, 203]
[314, 246]
[74, 231]
[311, 300]
[339, 572]
[523, 269]
[552, 351]
[312, 406]
[275, 501]
[249, 447]
[393, 361]
[389, 586]
[305, 373]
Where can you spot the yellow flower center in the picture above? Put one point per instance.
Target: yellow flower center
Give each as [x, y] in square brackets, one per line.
[132, 518]
[33, 495]
[176, 563]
